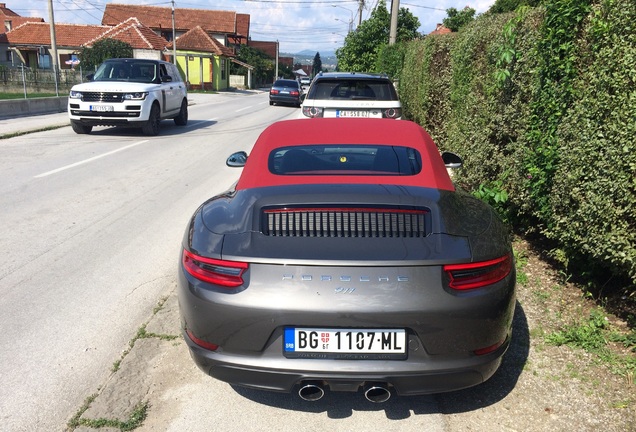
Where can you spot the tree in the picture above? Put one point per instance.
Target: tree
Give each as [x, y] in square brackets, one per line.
[91, 57]
[317, 64]
[263, 64]
[457, 19]
[361, 48]
[502, 6]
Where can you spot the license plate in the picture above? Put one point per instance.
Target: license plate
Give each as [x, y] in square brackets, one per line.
[102, 108]
[357, 113]
[345, 343]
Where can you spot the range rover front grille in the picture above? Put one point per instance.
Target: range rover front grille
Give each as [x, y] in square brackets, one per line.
[102, 97]
[345, 222]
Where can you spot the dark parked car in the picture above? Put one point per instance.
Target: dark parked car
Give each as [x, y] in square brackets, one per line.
[285, 91]
[345, 258]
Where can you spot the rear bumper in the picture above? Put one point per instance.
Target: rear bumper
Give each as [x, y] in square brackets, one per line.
[406, 378]
[285, 99]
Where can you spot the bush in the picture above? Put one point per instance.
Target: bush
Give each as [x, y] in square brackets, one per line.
[541, 105]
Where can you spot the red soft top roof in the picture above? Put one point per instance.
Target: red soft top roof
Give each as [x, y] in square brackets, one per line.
[344, 131]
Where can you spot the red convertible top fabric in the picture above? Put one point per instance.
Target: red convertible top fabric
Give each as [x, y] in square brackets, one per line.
[345, 131]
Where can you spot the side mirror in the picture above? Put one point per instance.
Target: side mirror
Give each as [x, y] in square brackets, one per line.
[237, 160]
[451, 160]
[90, 77]
[302, 97]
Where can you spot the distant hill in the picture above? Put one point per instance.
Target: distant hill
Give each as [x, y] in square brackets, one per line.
[305, 53]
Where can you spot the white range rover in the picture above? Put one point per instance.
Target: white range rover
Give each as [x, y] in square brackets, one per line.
[130, 93]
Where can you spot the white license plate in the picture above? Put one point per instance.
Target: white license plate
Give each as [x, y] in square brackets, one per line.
[357, 113]
[344, 343]
[102, 108]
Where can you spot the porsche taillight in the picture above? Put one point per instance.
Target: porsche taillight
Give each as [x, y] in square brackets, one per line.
[214, 271]
[478, 274]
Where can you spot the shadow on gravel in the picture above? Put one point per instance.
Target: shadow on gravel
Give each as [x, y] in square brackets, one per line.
[342, 404]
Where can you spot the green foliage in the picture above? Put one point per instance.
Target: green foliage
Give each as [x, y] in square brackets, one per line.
[593, 199]
[263, 64]
[593, 336]
[558, 53]
[390, 59]
[503, 6]
[91, 57]
[362, 47]
[317, 64]
[541, 105]
[457, 19]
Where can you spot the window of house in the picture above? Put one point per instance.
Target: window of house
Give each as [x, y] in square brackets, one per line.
[223, 67]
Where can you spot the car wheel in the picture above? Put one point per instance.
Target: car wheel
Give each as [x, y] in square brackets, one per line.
[182, 118]
[79, 128]
[151, 127]
[271, 103]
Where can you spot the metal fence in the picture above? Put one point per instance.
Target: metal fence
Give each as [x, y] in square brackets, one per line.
[30, 80]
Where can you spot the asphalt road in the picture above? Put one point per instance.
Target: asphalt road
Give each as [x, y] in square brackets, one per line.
[90, 229]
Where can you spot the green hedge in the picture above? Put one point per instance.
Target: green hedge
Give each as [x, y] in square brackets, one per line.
[541, 104]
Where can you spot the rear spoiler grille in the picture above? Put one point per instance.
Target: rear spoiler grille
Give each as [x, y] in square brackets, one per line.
[345, 222]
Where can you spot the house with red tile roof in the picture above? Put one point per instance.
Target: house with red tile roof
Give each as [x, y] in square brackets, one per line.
[143, 40]
[204, 60]
[441, 29]
[230, 28]
[201, 47]
[10, 20]
[30, 42]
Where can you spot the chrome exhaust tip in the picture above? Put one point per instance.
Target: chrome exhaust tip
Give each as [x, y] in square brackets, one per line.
[311, 391]
[377, 392]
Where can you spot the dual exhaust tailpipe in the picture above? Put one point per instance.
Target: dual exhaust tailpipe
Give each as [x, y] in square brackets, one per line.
[374, 392]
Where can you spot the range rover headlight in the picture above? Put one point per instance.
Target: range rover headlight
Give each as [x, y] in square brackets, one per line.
[74, 94]
[135, 96]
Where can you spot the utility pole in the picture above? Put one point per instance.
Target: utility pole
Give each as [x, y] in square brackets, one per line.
[395, 10]
[54, 58]
[360, 7]
[174, 39]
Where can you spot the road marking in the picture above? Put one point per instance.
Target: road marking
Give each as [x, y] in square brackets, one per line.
[243, 109]
[73, 165]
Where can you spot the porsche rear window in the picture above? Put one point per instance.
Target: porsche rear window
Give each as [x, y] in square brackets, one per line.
[345, 160]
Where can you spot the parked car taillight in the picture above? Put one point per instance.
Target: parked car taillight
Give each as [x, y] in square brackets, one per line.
[273, 91]
[214, 271]
[294, 93]
[312, 112]
[392, 113]
[479, 274]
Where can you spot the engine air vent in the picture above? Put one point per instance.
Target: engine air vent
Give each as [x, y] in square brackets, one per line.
[345, 222]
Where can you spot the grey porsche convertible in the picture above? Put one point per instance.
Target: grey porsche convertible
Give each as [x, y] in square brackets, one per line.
[345, 259]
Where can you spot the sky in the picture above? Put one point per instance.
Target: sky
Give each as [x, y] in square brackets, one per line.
[314, 25]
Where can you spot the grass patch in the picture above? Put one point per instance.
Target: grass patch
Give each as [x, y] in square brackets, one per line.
[594, 336]
[136, 418]
[10, 96]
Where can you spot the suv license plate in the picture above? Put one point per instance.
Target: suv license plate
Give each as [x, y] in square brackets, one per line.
[102, 108]
[349, 113]
[345, 343]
